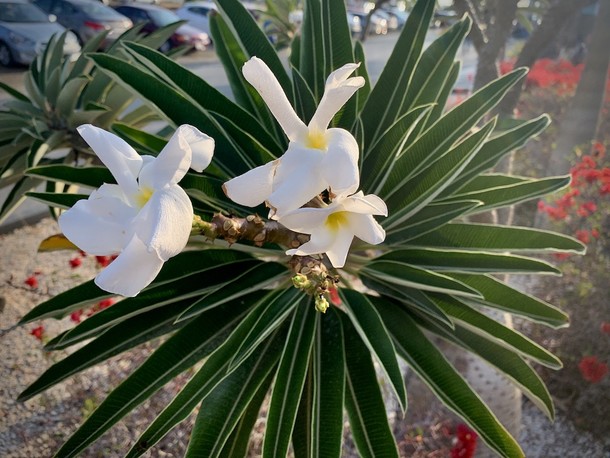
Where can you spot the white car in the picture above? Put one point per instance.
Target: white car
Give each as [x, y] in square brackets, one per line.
[196, 13]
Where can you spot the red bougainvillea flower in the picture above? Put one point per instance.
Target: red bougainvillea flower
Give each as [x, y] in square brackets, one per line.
[605, 327]
[592, 370]
[32, 281]
[103, 261]
[38, 332]
[583, 236]
[76, 316]
[466, 442]
[75, 262]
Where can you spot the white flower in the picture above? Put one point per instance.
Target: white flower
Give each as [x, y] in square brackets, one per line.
[317, 158]
[146, 217]
[333, 227]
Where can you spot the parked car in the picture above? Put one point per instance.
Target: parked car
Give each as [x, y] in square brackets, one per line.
[156, 17]
[87, 18]
[196, 13]
[379, 24]
[25, 30]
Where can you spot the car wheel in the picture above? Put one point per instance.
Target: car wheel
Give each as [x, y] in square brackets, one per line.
[6, 58]
[165, 47]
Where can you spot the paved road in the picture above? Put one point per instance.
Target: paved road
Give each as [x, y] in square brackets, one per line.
[205, 64]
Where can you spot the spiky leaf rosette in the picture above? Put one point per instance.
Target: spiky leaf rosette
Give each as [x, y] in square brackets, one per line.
[231, 309]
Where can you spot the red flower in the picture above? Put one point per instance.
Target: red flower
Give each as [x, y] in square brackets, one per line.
[591, 369]
[103, 261]
[595, 233]
[605, 327]
[38, 332]
[583, 236]
[31, 281]
[75, 262]
[466, 442]
[334, 296]
[561, 256]
[76, 316]
[105, 303]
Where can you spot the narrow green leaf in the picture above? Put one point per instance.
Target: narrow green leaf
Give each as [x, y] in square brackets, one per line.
[442, 260]
[373, 333]
[13, 92]
[289, 381]
[363, 400]
[404, 274]
[503, 195]
[312, 64]
[190, 344]
[432, 216]
[499, 295]
[493, 237]
[16, 196]
[60, 200]
[480, 323]
[91, 176]
[385, 102]
[442, 378]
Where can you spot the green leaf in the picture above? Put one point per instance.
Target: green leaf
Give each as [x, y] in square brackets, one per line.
[498, 295]
[312, 64]
[415, 193]
[14, 92]
[91, 176]
[441, 260]
[443, 134]
[289, 381]
[496, 148]
[498, 195]
[221, 410]
[139, 139]
[481, 324]
[494, 237]
[52, 199]
[373, 333]
[404, 274]
[362, 94]
[363, 400]
[378, 158]
[181, 351]
[384, 104]
[116, 340]
[506, 361]
[16, 196]
[432, 216]
[442, 378]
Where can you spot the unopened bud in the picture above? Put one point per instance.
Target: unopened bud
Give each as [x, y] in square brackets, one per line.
[301, 281]
[321, 304]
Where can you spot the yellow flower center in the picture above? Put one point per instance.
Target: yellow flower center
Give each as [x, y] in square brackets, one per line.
[334, 221]
[144, 196]
[316, 140]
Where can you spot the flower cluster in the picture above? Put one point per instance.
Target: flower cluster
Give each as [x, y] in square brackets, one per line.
[466, 442]
[145, 218]
[580, 204]
[312, 188]
[592, 370]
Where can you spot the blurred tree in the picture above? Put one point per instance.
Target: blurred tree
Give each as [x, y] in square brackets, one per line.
[582, 118]
[491, 27]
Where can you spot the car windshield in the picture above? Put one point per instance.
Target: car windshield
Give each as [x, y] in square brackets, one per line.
[162, 17]
[21, 12]
[100, 11]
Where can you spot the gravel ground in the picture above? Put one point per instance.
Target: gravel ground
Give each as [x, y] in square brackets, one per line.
[39, 426]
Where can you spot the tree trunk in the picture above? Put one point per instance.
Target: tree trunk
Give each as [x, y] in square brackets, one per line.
[582, 118]
[554, 20]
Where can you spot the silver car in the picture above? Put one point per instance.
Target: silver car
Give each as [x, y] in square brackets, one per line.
[25, 31]
[87, 18]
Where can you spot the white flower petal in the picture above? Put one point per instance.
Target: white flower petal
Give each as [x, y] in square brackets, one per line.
[259, 75]
[99, 225]
[164, 223]
[366, 228]
[253, 187]
[121, 159]
[369, 204]
[202, 146]
[319, 243]
[298, 178]
[306, 220]
[339, 89]
[340, 167]
[337, 253]
[172, 163]
[133, 270]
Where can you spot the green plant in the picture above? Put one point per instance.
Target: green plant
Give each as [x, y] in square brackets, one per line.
[232, 306]
[39, 126]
